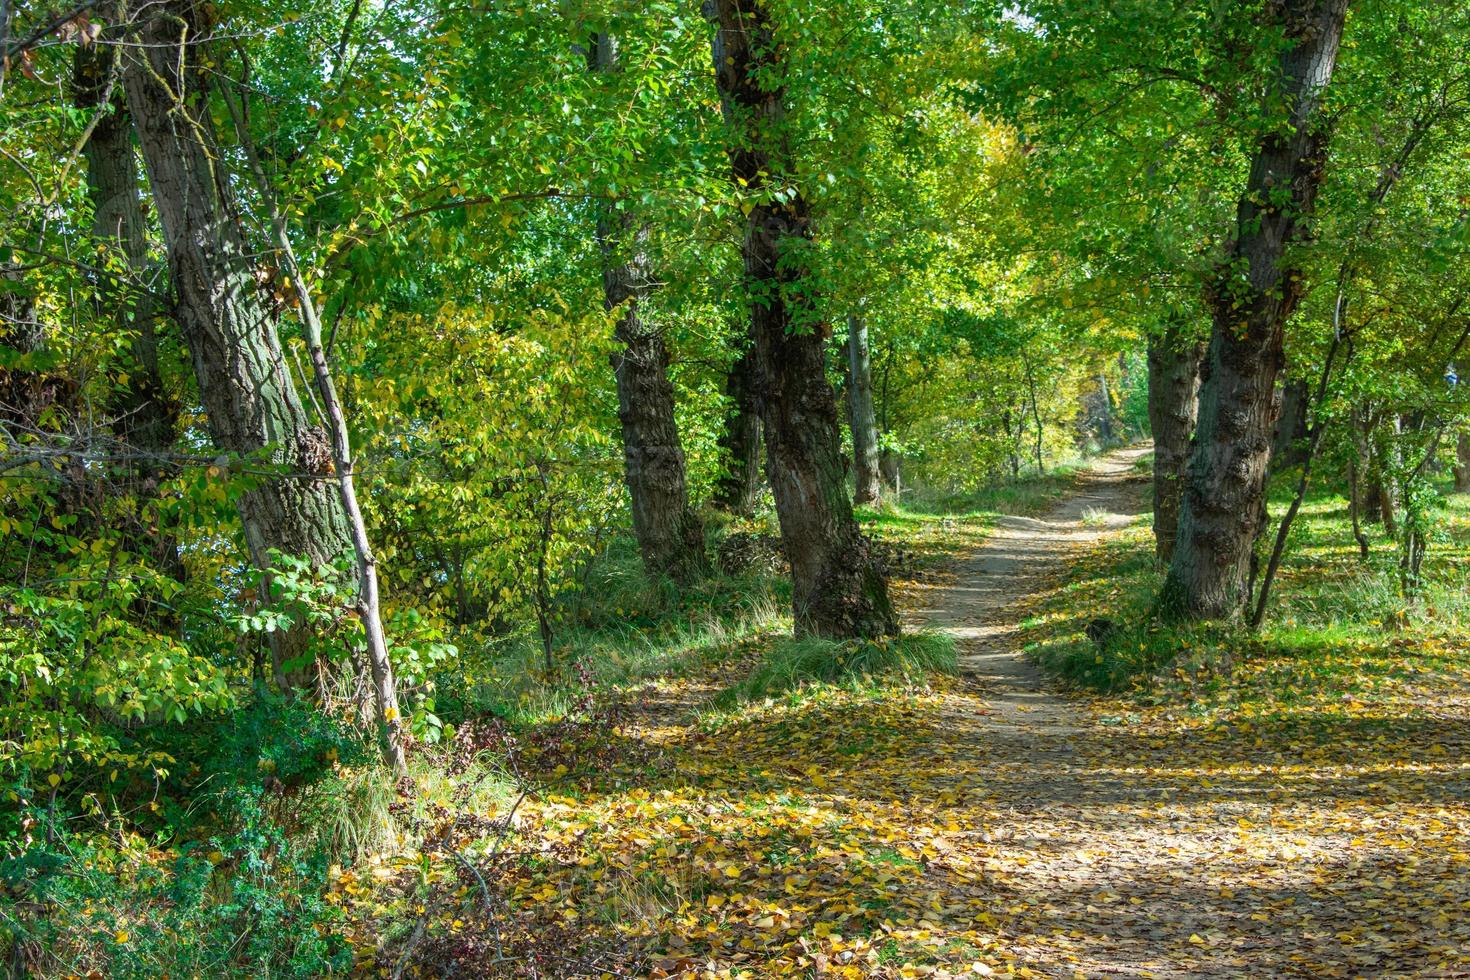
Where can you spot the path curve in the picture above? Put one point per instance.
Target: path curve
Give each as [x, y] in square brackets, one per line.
[983, 606]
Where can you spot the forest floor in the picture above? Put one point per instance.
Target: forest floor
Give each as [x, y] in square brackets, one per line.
[1272, 820]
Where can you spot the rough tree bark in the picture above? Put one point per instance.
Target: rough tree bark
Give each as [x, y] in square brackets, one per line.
[1255, 292]
[862, 418]
[890, 464]
[1372, 499]
[146, 418]
[1097, 412]
[670, 536]
[1173, 404]
[739, 486]
[1291, 425]
[250, 400]
[368, 607]
[838, 589]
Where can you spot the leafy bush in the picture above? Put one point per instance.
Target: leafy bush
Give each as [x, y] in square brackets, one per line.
[248, 903]
[231, 885]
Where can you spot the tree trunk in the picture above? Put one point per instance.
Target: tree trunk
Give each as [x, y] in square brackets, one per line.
[1462, 464]
[1173, 404]
[1256, 289]
[890, 464]
[670, 536]
[146, 418]
[863, 420]
[1365, 497]
[838, 589]
[368, 607]
[251, 402]
[1013, 434]
[1097, 408]
[890, 460]
[1035, 414]
[543, 579]
[739, 486]
[1291, 426]
[1384, 490]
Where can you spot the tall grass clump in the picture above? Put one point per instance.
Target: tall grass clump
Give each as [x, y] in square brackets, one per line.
[793, 663]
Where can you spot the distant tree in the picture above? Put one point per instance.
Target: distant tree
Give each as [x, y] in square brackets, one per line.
[669, 533]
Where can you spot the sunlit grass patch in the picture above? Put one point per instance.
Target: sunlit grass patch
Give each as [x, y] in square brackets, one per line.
[792, 663]
[1025, 497]
[511, 681]
[1338, 636]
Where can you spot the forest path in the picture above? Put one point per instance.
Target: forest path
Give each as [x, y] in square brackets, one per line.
[1109, 870]
[987, 824]
[1114, 843]
[984, 606]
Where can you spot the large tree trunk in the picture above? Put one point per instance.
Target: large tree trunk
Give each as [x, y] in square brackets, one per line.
[146, 418]
[1375, 446]
[862, 418]
[1256, 290]
[739, 486]
[1462, 464]
[249, 397]
[670, 536]
[890, 464]
[838, 588]
[1173, 404]
[368, 607]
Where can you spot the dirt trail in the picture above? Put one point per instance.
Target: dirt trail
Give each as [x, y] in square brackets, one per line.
[982, 609]
[1175, 855]
[1119, 863]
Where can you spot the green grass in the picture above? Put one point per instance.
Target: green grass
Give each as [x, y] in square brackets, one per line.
[511, 682]
[1326, 603]
[789, 664]
[1025, 497]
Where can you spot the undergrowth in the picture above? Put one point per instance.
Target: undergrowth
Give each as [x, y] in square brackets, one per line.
[236, 862]
[1024, 497]
[791, 663]
[1328, 607]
